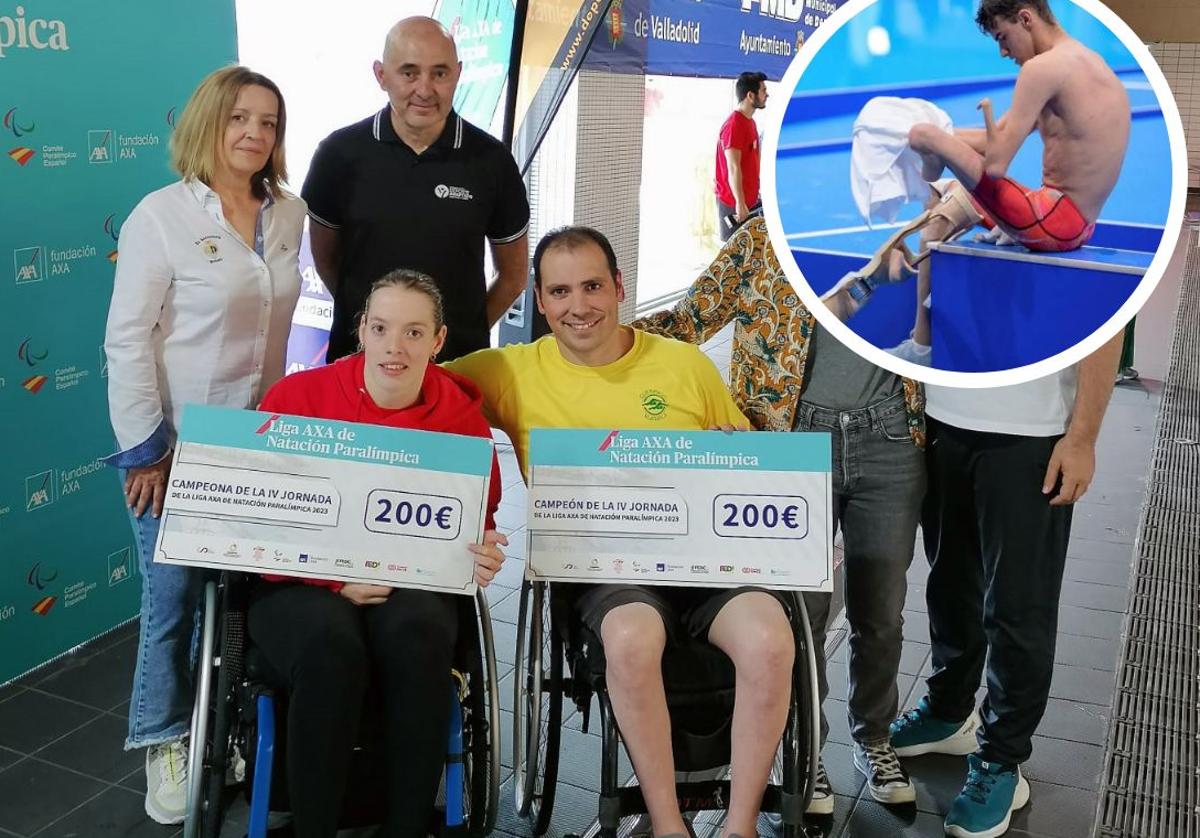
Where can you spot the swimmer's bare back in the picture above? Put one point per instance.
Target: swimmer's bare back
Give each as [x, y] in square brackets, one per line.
[1084, 124]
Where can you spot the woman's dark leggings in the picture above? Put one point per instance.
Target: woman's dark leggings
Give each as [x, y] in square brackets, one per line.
[326, 648]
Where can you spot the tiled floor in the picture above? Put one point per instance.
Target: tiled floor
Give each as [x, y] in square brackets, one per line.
[63, 772]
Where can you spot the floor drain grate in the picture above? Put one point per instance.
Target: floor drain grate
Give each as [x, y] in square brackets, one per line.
[1151, 783]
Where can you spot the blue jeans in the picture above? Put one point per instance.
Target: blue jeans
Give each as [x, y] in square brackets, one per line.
[878, 484]
[160, 708]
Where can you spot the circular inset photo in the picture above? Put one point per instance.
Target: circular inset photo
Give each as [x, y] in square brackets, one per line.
[974, 194]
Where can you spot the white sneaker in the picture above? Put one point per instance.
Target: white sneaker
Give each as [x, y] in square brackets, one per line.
[913, 352]
[166, 781]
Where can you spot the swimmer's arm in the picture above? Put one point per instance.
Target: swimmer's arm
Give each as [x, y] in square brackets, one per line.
[1036, 83]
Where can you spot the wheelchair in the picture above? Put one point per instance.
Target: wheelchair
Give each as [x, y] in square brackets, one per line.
[237, 710]
[559, 659]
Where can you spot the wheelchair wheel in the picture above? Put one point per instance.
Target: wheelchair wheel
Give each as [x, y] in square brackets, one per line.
[801, 745]
[481, 728]
[218, 670]
[537, 707]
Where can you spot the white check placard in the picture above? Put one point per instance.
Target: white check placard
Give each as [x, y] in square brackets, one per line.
[702, 508]
[302, 497]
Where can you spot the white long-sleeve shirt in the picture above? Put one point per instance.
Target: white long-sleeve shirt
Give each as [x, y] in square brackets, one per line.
[197, 315]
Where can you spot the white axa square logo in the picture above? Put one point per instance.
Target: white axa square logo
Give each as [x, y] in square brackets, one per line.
[120, 566]
[100, 146]
[29, 264]
[39, 490]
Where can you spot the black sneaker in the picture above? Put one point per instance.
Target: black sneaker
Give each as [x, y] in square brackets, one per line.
[822, 799]
[886, 777]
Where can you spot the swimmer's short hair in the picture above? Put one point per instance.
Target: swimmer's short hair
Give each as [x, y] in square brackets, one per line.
[570, 238]
[990, 10]
[748, 82]
[410, 281]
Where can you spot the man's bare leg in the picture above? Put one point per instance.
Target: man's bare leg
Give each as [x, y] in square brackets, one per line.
[634, 638]
[939, 149]
[754, 631]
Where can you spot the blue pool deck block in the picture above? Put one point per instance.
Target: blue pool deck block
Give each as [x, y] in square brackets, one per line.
[993, 308]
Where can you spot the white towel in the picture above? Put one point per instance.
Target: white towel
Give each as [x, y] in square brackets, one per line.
[885, 173]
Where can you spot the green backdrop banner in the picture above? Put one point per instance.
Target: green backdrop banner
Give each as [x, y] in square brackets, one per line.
[89, 93]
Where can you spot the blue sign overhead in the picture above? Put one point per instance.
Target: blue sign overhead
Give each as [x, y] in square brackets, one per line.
[705, 38]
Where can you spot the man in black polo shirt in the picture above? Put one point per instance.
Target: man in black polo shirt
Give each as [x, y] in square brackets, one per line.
[416, 186]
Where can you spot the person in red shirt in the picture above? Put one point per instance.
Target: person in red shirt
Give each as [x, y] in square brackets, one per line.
[737, 155]
[327, 639]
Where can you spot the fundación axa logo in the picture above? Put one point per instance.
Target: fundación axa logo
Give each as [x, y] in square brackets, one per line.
[29, 264]
[457, 193]
[100, 146]
[120, 566]
[39, 490]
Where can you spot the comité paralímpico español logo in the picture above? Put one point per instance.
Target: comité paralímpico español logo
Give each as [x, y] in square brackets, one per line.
[38, 578]
[113, 228]
[32, 354]
[21, 154]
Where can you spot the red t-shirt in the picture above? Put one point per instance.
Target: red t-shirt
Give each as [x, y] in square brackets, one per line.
[448, 403]
[739, 132]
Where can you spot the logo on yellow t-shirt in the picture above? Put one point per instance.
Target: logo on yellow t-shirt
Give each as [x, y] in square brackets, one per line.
[654, 403]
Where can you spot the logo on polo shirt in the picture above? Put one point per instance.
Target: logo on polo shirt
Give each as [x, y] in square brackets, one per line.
[459, 193]
[654, 404]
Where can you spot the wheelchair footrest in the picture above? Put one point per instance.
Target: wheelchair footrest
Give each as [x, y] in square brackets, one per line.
[693, 797]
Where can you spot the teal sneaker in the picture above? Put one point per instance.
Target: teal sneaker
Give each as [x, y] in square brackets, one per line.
[988, 799]
[920, 732]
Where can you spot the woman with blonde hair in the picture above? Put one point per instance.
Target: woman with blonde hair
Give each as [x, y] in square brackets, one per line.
[202, 303]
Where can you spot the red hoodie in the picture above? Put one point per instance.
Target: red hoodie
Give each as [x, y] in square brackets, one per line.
[448, 403]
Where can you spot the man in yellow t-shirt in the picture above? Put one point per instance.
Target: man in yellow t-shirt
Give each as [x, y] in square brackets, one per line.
[594, 373]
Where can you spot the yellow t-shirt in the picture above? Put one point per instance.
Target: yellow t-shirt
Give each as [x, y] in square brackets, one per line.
[659, 384]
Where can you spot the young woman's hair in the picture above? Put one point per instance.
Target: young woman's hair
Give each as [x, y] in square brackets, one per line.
[195, 145]
[411, 281]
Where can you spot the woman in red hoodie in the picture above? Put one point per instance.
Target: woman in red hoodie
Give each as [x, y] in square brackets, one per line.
[328, 639]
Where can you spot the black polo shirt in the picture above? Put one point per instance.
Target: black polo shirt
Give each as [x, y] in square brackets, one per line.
[430, 212]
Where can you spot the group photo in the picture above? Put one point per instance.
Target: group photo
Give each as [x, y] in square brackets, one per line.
[645, 418]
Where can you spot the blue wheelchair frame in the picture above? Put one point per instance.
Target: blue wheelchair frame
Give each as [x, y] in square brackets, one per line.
[204, 805]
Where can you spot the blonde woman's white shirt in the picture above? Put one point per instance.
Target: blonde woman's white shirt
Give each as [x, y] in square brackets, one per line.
[197, 315]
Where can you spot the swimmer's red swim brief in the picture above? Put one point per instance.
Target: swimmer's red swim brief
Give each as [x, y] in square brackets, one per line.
[1041, 219]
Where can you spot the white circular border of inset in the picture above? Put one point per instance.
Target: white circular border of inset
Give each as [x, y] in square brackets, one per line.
[1016, 375]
